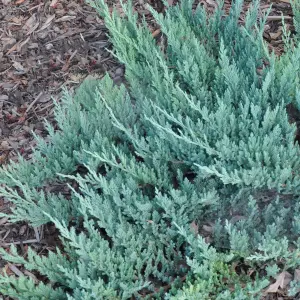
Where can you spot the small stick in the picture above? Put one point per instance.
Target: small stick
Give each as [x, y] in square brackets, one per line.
[21, 242]
[33, 102]
[278, 18]
[15, 270]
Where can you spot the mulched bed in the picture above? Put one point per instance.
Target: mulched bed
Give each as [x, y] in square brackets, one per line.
[44, 46]
[48, 45]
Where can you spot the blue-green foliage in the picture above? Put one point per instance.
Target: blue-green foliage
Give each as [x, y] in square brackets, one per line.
[200, 135]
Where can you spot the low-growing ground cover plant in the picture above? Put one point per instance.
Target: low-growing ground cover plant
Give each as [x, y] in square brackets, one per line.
[199, 136]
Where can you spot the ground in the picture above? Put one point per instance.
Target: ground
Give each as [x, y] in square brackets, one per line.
[46, 46]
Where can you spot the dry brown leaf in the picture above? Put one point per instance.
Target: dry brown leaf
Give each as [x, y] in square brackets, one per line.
[156, 32]
[283, 279]
[207, 228]
[31, 24]
[76, 77]
[285, 1]
[4, 145]
[3, 158]
[194, 228]
[17, 20]
[275, 35]
[7, 270]
[33, 46]
[8, 42]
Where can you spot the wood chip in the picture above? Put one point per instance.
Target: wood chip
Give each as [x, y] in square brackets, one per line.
[3, 220]
[297, 275]
[30, 23]
[47, 23]
[65, 18]
[18, 66]
[53, 3]
[23, 229]
[3, 98]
